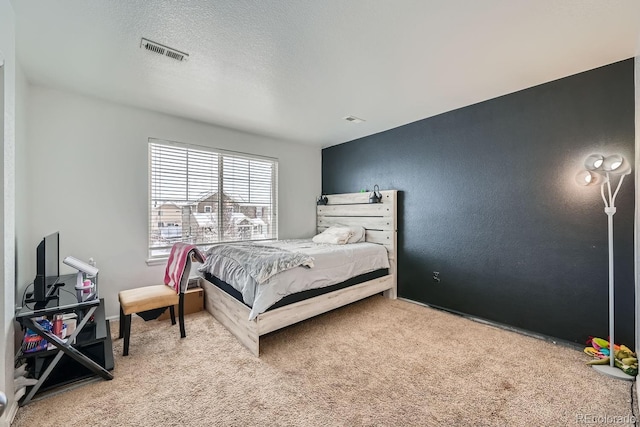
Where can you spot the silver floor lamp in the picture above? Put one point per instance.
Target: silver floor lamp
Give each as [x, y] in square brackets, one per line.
[603, 170]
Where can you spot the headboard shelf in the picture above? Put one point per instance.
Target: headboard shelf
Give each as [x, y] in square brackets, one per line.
[388, 196]
[368, 222]
[381, 209]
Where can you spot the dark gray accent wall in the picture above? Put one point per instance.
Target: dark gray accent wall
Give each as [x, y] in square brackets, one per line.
[488, 199]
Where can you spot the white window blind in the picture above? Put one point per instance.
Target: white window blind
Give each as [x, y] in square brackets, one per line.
[204, 196]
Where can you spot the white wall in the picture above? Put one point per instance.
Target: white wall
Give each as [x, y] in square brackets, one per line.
[7, 206]
[637, 207]
[25, 264]
[88, 179]
[637, 210]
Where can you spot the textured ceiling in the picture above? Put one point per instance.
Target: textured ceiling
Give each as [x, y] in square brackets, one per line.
[292, 69]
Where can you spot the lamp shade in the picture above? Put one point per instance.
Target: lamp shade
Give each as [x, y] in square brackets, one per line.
[616, 164]
[594, 162]
[586, 177]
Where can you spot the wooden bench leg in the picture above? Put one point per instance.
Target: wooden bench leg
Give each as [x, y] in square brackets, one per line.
[181, 315]
[127, 334]
[172, 312]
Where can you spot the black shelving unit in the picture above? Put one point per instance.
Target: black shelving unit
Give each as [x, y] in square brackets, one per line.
[89, 355]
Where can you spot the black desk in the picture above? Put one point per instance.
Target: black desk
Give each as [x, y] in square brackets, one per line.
[91, 329]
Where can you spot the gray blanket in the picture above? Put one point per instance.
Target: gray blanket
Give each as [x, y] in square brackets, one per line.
[261, 262]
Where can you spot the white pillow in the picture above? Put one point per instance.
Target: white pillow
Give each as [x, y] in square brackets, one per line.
[333, 235]
[340, 235]
[358, 235]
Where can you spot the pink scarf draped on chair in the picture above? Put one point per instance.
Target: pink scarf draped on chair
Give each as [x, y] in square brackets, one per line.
[179, 259]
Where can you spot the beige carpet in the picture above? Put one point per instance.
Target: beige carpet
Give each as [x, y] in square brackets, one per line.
[374, 363]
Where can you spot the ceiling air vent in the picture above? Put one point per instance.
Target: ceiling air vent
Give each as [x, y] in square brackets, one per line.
[354, 119]
[163, 50]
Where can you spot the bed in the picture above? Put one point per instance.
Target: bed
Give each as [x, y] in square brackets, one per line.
[226, 301]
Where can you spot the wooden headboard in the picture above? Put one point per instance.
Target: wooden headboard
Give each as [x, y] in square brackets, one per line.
[378, 219]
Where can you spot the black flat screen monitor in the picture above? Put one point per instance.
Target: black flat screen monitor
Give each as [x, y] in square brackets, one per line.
[47, 267]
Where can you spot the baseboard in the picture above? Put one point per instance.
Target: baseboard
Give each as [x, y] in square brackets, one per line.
[9, 415]
[550, 339]
[637, 400]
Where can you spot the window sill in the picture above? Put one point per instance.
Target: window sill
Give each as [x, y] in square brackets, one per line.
[157, 261]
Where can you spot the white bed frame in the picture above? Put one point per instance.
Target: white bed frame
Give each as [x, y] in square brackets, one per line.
[380, 222]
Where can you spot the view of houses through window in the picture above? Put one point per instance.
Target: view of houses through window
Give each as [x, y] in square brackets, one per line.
[204, 196]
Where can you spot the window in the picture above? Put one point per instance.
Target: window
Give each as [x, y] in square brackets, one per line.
[206, 196]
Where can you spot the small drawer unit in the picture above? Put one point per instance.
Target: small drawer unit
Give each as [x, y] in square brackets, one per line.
[193, 302]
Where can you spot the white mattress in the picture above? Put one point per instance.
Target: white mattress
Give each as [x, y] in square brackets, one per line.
[332, 264]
